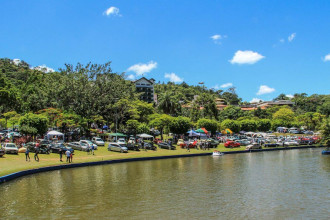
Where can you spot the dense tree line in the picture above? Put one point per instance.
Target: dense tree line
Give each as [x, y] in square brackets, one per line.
[90, 96]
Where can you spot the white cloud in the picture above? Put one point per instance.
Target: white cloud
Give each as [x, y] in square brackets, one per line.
[255, 100]
[226, 85]
[131, 77]
[44, 68]
[246, 57]
[327, 58]
[291, 37]
[289, 96]
[142, 68]
[112, 11]
[265, 90]
[173, 77]
[282, 40]
[216, 37]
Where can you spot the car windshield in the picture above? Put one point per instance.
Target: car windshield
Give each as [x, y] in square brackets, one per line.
[98, 139]
[89, 142]
[11, 145]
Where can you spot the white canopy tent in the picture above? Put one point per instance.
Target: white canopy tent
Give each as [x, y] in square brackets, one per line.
[145, 136]
[55, 136]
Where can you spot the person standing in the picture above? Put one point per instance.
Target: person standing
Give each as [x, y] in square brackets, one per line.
[67, 153]
[188, 149]
[93, 149]
[71, 156]
[36, 157]
[61, 155]
[27, 154]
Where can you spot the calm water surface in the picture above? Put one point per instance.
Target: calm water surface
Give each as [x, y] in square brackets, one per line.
[270, 185]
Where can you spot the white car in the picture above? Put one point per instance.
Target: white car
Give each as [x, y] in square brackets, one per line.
[291, 143]
[121, 141]
[88, 143]
[98, 141]
[10, 148]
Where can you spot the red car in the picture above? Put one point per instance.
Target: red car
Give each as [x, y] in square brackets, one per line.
[232, 144]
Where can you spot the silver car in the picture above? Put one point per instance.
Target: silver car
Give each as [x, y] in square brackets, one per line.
[88, 143]
[10, 148]
[98, 141]
[117, 147]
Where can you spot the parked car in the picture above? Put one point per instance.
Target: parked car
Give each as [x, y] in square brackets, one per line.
[213, 143]
[117, 147]
[55, 148]
[121, 141]
[147, 145]
[243, 142]
[88, 143]
[2, 152]
[131, 146]
[10, 148]
[131, 140]
[291, 143]
[157, 140]
[271, 144]
[98, 141]
[166, 145]
[43, 149]
[180, 142]
[231, 144]
[253, 146]
[78, 146]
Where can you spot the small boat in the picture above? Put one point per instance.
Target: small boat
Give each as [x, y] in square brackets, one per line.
[326, 151]
[217, 153]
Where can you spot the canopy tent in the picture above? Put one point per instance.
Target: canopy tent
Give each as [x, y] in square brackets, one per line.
[200, 131]
[226, 131]
[55, 136]
[192, 133]
[205, 131]
[117, 135]
[145, 136]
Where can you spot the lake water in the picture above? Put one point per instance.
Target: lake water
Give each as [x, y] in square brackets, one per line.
[291, 184]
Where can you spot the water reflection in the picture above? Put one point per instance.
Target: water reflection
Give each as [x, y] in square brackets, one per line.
[267, 185]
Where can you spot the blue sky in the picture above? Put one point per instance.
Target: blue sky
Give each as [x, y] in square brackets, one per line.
[263, 48]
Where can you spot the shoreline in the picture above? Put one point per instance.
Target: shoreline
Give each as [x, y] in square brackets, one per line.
[12, 176]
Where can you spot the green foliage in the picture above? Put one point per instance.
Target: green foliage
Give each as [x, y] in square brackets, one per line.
[248, 125]
[143, 128]
[285, 114]
[33, 121]
[312, 120]
[208, 124]
[326, 131]
[279, 123]
[27, 130]
[180, 125]
[231, 124]
[231, 112]
[264, 125]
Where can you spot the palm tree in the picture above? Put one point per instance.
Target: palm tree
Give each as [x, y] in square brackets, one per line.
[168, 103]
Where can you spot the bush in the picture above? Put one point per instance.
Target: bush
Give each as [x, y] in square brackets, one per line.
[208, 124]
[231, 124]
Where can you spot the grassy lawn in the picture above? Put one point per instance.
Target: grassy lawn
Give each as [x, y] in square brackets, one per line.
[13, 163]
[10, 163]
